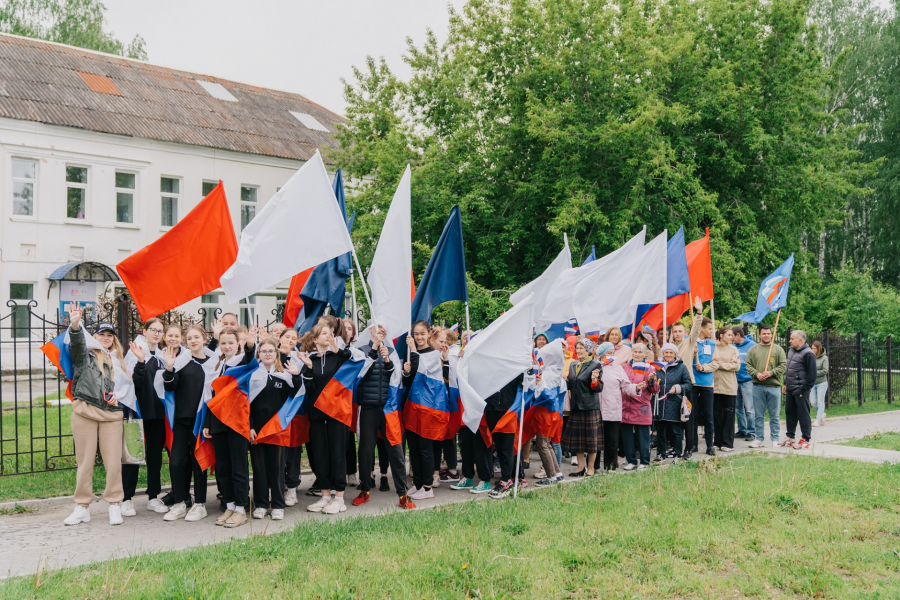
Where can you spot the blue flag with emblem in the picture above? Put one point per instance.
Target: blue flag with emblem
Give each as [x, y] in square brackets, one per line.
[773, 292]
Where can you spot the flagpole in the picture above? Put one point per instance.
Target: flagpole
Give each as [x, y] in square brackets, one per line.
[519, 453]
[772, 345]
[712, 311]
[467, 323]
[363, 281]
[666, 301]
[353, 300]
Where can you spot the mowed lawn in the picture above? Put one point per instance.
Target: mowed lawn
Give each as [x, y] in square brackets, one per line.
[763, 526]
[878, 441]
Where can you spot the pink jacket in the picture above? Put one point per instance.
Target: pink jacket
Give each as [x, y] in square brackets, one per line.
[636, 409]
[615, 384]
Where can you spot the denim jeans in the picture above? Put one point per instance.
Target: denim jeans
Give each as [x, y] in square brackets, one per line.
[817, 399]
[767, 397]
[743, 409]
[557, 448]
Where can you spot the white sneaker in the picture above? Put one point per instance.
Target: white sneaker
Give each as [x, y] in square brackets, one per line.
[197, 512]
[128, 509]
[277, 514]
[726, 449]
[115, 514]
[353, 479]
[574, 461]
[411, 491]
[156, 505]
[822, 422]
[176, 512]
[757, 444]
[816, 423]
[630, 467]
[423, 494]
[776, 445]
[79, 515]
[435, 480]
[320, 504]
[259, 513]
[290, 497]
[335, 506]
[642, 467]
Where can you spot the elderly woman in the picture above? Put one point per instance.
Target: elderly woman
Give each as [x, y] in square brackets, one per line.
[615, 385]
[622, 347]
[675, 385]
[637, 415]
[582, 435]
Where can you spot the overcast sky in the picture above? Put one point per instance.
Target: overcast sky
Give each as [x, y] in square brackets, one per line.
[297, 46]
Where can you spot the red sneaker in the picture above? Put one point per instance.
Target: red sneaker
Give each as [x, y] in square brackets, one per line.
[361, 499]
[803, 444]
[405, 502]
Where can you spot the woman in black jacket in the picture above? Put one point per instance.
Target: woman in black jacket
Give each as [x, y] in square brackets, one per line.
[582, 432]
[267, 459]
[327, 436]
[674, 385]
[288, 343]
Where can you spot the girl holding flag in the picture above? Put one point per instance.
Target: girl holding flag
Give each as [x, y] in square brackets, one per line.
[270, 387]
[637, 416]
[186, 377]
[232, 466]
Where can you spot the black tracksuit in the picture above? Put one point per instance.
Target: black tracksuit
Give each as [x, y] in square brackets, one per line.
[504, 443]
[327, 437]
[268, 459]
[371, 395]
[187, 384]
[153, 414]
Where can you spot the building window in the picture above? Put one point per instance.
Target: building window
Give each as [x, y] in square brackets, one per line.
[170, 188]
[20, 321]
[23, 176]
[209, 303]
[248, 311]
[76, 191]
[209, 186]
[125, 197]
[248, 204]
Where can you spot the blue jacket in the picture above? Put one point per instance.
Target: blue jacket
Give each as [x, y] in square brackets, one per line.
[742, 374]
[705, 355]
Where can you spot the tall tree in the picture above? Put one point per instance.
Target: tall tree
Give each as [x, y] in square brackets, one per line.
[79, 23]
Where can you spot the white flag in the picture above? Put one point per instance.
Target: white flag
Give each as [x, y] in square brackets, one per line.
[300, 227]
[390, 277]
[541, 286]
[559, 306]
[496, 356]
[610, 296]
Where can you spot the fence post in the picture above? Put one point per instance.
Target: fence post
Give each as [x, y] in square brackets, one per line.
[827, 343]
[859, 374]
[890, 373]
[122, 316]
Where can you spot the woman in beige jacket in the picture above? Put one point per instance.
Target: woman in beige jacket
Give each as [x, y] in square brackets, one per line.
[726, 362]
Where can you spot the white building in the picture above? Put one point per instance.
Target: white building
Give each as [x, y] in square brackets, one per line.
[102, 154]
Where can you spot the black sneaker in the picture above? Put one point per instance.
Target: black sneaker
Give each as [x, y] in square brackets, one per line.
[384, 484]
[687, 455]
[313, 491]
[542, 483]
[658, 458]
[526, 465]
[711, 451]
[501, 490]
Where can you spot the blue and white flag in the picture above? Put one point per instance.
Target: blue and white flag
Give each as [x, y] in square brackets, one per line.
[773, 293]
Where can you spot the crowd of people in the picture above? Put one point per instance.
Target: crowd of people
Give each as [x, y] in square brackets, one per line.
[606, 396]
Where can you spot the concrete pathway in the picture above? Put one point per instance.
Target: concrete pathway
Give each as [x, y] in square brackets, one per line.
[38, 540]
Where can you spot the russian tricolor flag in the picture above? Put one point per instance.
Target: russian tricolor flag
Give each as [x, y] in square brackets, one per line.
[427, 410]
[455, 403]
[57, 352]
[231, 401]
[546, 412]
[336, 400]
[509, 422]
[289, 427]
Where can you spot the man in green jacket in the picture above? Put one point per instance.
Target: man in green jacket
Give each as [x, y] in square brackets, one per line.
[767, 383]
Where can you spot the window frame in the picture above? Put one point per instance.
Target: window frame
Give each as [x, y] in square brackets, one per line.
[204, 182]
[254, 204]
[247, 307]
[134, 196]
[176, 196]
[83, 186]
[34, 184]
[14, 327]
[210, 307]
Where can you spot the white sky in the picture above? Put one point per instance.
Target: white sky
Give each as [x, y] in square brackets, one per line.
[296, 46]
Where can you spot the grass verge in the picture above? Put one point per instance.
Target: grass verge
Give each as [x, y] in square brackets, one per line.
[878, 441]
[748, 526]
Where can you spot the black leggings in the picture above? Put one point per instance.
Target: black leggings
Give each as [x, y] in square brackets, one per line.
[421, 459]
[371, 423]
[702, 414]
[467, 450]
[723, 411]
[232, 466]
[328, 439]
[154, 444]
[611, 444]
[268, 475]
[182, 464]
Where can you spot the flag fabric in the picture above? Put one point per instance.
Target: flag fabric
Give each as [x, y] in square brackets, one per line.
[545, 416]
[57, 352]
[389, 277]
[336, 398]
[699, 261]
[277, 429]
[305, 212]
[499, 354]
[192, 259]
[509, 422]
[456, 408]
[203, 448]
[591, 257]
[559, 306]
[290, 425]
[168, 398]
[294, 303]
[541, 286]
[231, 402]
[773, 292]
[427, 409]
[392, 415]
[445, 276]
[678, 287]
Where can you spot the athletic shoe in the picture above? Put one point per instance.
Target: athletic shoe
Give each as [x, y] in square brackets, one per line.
[757, 444]
[482, 488]
[803, 444]
[658, 458]
[711, 451]
[775, 444]
[384, 487]
[406, 503]
[496, 468]
[197, 512]
[526, 465]
[224, 517]
[544, 483]
[277, 514]
[313, 491]
[236, 520]
[115, 515]
[687, 455]
[290, 497]
[128, 509]
[786, 442]
[449, 476]
[335, 506]
[352, 479]
[259, 513]
[501, 490]
[630, 467]
[157, 505]
[559, 477]
[320, 504]
[542, 474]
[574, 461]
[177, 511]
[726, 449]
[423, 494]
[750, 437]
[436, 480]
[168, 499]
[79, 515]
[642, 467]
[464, 484]
[821, 421]
[361, 499]
[523, 483]
[816, 423]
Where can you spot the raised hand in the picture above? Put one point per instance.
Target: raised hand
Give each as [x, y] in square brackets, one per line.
[138, 351]
[74, 315]
[217, 328]
[171, 355]
[304, 358]
[253, 333]
[290, 367]
[698, 305]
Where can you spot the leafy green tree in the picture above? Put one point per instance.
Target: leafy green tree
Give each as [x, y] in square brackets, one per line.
[74, 22]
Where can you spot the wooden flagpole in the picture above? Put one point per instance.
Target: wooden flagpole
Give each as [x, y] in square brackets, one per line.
[772, 345]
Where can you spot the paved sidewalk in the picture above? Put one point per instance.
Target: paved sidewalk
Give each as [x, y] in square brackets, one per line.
[38, 540]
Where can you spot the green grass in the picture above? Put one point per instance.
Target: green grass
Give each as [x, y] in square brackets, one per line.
[763, 526]
[878, 441]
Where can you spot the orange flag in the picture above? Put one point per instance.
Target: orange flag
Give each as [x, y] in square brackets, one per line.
[700, 268]
[186, 262]
[294, 303]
